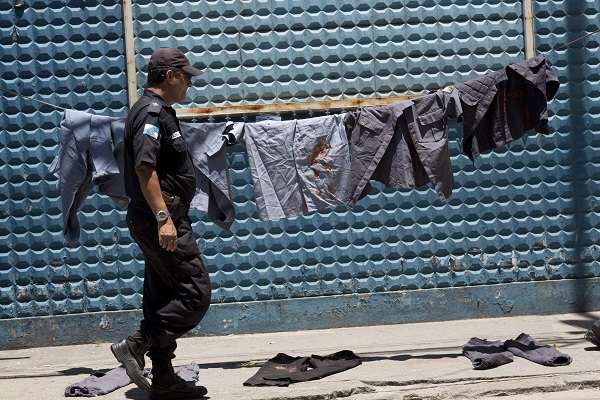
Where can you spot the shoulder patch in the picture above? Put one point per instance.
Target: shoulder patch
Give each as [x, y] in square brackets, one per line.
[154, 107]
[152, 131]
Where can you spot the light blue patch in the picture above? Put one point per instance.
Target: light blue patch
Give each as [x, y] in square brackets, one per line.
[151, 131]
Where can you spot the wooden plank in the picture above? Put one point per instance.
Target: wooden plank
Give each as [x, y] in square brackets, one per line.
[529, 28]
[322, 105]
[129, 52]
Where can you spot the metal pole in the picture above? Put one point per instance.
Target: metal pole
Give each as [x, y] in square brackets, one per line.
[129, 52]
[529, 28]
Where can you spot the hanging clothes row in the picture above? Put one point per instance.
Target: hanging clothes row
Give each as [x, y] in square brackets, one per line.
[314, 164]
[91, 155]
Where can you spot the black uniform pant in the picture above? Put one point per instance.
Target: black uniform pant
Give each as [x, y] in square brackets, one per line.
[176, 284]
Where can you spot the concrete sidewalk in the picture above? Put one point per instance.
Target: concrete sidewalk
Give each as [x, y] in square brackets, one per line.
[410, 362]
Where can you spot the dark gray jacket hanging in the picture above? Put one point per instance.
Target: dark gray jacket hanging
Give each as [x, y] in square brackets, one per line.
[499, 107]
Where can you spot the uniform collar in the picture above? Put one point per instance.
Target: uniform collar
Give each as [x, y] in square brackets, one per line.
[154, 96]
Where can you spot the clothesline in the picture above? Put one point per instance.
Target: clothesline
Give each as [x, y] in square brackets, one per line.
[560, 48]
[306, 165]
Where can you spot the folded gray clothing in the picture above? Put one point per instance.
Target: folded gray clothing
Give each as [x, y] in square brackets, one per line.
[485, 354]
[100, 383]
[527, 347]
[593, 334]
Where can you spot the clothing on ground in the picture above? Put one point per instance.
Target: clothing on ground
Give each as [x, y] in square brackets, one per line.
[101, 383]
[527, 347]
[282, 370]
[592, 335]
[486, 354]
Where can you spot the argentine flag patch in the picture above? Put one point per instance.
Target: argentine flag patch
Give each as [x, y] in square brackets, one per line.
[151, 131]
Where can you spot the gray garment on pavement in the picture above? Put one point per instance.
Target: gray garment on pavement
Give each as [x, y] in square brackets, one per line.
[101, 383]
[593, 334]
[404, 145]
[206, 144]
[91, 153]
[298, 166]
[86, 157]
[485, 354]
[500, 106]
[527, 347]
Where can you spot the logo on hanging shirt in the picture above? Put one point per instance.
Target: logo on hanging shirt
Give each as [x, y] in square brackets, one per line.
[175, 135]
[151, 131]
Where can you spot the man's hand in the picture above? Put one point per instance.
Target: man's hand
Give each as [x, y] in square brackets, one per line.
[167, 235]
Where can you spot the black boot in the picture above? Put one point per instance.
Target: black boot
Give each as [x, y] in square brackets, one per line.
[130, 352]
[167, 385]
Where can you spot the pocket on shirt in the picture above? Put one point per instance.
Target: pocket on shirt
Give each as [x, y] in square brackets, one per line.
[369, 128]
[433, 126]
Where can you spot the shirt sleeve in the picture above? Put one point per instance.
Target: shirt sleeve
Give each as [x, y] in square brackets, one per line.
[147, 138]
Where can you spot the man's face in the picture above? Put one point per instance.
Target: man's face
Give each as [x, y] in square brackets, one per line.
[179, 82]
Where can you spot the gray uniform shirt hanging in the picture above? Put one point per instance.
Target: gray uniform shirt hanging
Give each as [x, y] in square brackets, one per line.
[298, 166]
[86, 157]
[404, 145]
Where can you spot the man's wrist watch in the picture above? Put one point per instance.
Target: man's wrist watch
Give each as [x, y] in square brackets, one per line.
[162, 216]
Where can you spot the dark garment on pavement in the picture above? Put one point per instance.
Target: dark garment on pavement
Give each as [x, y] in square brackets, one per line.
[527, 347]
[177, 287]
[499, 107]
[282, 370]
[101, 383]
[485, 354]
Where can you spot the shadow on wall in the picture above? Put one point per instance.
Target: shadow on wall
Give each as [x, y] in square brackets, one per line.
[576, 90]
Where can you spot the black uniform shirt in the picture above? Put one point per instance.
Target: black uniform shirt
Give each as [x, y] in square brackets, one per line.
[153, 137]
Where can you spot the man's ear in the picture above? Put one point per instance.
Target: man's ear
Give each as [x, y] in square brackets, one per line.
[170, 74]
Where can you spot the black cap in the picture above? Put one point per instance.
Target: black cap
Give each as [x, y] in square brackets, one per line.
[164, 58]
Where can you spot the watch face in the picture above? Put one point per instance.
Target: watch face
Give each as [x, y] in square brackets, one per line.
[161, 216]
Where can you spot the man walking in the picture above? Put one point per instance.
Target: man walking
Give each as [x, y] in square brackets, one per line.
[160, 181]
